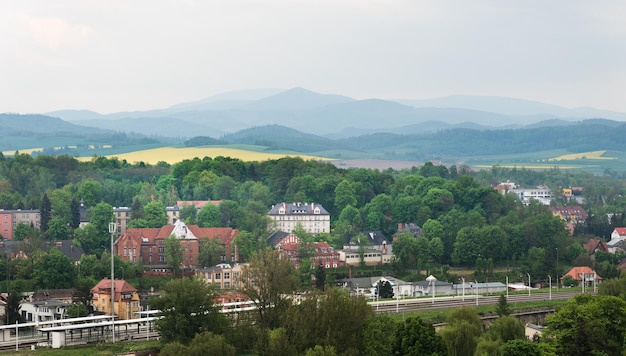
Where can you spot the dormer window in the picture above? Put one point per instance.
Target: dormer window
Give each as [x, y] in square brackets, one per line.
[317, 210]
[281, 211]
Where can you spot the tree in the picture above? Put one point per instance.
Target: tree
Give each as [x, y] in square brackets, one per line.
[344, 195]
[416, 338]
[520, 347]
[587, 325]
[385, 291]
[155, 215]
[187, 307]
[45, 211]
[22, 231]
[57, 229]
[503, 308]
[506, 328]
[332, 318]
[320, 277]
[89, 192]
[54, 271]
[75, 214]
[461, 332]
[379, 334]
[210, 252]
[266, 280]
[209, 216]
[173, 253]
[77, 310]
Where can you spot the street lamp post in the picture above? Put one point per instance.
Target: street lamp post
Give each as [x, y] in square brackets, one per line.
[557, 269]
[463, 279]
[507, 287]
[112, 228]
[476, 287]
[550, 279]
[528, 284]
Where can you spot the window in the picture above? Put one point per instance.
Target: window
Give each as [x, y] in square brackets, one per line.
[218, 276]
[125, 251]
[226, 275]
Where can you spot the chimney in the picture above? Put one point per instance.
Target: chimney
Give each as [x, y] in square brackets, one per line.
[399, 226]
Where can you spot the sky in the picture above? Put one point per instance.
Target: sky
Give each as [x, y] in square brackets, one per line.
[120, 55]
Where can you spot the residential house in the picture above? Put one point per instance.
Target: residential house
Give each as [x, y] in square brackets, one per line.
[45, 310]
[595, 245]
[584, 275]
[234, 300]
[147, 245]
[125, 300]
[618, 240]
[10, 218]
[312, 217]
[411, 228]
[61, 295]
[222, 276]
[173, 212]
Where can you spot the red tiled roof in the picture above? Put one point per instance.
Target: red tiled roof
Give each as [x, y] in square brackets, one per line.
[576, 273]
[621, 231]
[121, 286]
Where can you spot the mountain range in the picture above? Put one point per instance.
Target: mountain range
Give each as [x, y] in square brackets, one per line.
[333, 116]
[458, 128]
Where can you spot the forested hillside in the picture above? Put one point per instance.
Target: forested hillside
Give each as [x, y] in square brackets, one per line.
[466, 223]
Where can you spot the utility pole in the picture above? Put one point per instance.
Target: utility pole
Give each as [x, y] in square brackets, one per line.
[112, 228]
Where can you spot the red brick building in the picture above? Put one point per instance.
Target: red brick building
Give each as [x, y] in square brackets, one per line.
[147, 245]
[325, 255]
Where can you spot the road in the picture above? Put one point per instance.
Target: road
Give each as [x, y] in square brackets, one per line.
[413, 305]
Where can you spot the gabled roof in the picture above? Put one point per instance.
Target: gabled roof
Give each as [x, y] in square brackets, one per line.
[182, 231]
[595, 245]
[46, 294]
[375, 238]
[121, 286]
[621, 231]
[577, 272]
[276, 238]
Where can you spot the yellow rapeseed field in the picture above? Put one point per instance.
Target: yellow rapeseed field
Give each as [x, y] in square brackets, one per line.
[24, 151]
[173, 155]
[595, 155]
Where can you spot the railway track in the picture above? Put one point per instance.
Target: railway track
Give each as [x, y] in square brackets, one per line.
[412, 305]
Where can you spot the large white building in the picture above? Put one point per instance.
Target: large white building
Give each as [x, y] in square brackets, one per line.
[313, 218]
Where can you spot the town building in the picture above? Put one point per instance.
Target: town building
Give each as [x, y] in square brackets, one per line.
[125, 300]
[323, 254]
[541, 194]
[10, 218]
[122, 215]
[312, 217]
[222, 276]
[147, 245]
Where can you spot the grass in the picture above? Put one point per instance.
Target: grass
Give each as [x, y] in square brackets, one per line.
[99, 350]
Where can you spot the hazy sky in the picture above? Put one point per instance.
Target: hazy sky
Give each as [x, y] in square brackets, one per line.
[119, 55]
